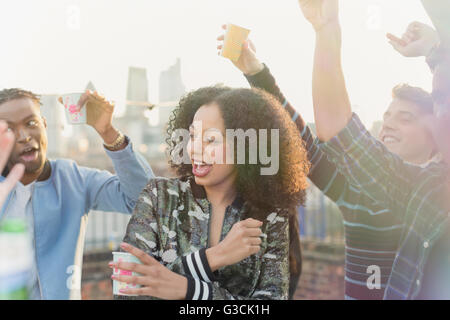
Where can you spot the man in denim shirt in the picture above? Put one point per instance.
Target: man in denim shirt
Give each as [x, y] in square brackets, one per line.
[56, 195]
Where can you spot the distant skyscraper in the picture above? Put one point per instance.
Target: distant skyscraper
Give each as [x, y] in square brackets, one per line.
[134, 122]
[53, 113]
[90, 86]
[171, 87]
[137, 90]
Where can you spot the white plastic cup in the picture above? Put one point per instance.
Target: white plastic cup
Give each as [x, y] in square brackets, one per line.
[117, 285]
[73, 114]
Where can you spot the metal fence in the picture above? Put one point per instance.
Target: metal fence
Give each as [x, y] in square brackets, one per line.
[320, 219]
[105, 230]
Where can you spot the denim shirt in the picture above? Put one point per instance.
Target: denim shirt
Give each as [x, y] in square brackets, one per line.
[60, 206]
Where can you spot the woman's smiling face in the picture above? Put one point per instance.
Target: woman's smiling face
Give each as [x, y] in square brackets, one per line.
[207, 147]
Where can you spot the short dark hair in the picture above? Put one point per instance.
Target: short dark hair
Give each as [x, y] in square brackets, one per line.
[16, 93]
[418, 96]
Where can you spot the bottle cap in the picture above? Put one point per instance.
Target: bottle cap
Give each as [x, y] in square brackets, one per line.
[13, 226]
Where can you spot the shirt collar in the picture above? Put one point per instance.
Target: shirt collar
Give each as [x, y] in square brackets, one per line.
[200, 193]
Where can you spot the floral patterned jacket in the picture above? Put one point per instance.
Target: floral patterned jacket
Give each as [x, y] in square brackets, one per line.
[171, 223]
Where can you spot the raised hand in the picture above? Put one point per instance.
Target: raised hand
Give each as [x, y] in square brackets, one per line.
[100, 110]
[6, 145]
[320, 12]
[418, 40]
[99, 114]
[248, 63]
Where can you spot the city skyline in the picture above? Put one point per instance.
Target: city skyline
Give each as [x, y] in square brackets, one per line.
[58, 46]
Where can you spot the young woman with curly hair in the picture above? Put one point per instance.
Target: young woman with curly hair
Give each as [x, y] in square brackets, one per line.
[220, 230]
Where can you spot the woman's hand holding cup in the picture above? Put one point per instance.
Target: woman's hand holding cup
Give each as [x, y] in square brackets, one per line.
[248, 63]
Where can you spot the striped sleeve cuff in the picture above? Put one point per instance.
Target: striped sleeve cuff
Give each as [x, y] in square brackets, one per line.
[309, 139]
[198, 290]
[196, 265]
[346, 141]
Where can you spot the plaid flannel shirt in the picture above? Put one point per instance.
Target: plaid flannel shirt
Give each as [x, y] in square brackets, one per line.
[372, 231]
[417, 194]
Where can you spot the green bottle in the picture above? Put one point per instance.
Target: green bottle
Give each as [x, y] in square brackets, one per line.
[15, 260]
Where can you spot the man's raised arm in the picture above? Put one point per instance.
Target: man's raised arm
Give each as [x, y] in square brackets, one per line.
[332, 110]
[365, 162]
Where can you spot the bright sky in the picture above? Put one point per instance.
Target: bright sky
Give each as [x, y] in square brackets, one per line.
[57, 46]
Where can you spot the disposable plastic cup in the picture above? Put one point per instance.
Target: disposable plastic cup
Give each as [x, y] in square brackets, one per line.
[74, 115]
[117, 286]
[235, 36]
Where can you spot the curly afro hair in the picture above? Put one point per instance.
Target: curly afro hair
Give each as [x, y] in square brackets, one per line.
[251, 109]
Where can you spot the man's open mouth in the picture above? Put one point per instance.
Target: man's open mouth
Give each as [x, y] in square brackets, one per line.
[29, 154]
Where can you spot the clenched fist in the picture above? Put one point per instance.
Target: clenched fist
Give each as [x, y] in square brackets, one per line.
[242, 241]
[320, 12]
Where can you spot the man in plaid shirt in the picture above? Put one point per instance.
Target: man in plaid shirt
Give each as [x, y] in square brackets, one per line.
[418, 195]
